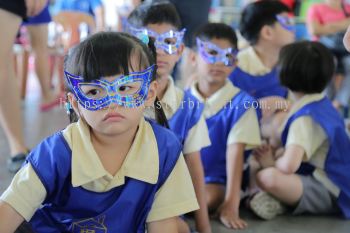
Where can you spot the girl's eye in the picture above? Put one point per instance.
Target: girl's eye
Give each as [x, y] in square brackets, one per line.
[229, 55]
[170, 41]
[93, 92]
[124, 88]
[213, 52]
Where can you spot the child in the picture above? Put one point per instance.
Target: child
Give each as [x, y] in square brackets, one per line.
[267, 27]
[112, 170]
[313, 133]
[232, 122]
[162, 24]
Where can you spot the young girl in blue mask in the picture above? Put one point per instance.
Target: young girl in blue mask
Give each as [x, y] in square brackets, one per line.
[111, 171]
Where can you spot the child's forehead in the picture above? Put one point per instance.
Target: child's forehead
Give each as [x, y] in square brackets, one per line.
[221, 43]
[161, 27]
[284, 14]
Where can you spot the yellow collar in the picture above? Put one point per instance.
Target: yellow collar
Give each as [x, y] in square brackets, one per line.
[249, 62]
[218, 100]
[172, 98]
[170, 102]
[141, 162]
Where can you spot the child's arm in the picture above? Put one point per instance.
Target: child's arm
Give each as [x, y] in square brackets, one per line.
[195, 167]
[9, 218]
[168, 224]
[291, 159]
[288, 162]
[265, 156]
[229, 210]
[21, 199]
[175, 197]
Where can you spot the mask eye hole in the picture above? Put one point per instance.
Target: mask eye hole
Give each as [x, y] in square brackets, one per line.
[92, 91]
[170, 41]
[129, 88]
[212, 52]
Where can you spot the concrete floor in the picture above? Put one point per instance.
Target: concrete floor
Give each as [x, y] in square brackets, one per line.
[39, 125]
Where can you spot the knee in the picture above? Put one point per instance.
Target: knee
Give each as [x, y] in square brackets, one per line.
[214, 196]
[267, 179]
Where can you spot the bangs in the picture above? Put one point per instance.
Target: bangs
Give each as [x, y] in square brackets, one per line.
[106, 54]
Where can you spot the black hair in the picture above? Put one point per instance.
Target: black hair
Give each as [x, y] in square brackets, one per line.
[107, 54]
[162, 12]
[258, 14]
[217, 30]
[306, 67]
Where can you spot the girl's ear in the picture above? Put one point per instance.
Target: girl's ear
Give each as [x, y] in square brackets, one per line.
[73, 103]
[152, 94]
[193, 57]
[267, 32]
[181, 49]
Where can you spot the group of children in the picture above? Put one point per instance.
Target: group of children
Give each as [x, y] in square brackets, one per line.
[143, 152]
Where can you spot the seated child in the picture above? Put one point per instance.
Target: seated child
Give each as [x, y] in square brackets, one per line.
[161, 22]
[232, 122]
[267, 27]
[111, 171]
[313, 136]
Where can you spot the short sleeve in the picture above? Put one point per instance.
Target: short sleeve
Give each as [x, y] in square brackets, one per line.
[176, 196]
[197, 138]
[246, 130]
[305, 133]
[26, 192]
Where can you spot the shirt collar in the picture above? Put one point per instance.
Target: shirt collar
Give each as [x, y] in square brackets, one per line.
[171, 99]
[170, 102]
[218, 100]
[141, 162]
[249, 61]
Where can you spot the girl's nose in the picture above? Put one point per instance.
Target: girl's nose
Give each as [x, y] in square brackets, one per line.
[160, 51]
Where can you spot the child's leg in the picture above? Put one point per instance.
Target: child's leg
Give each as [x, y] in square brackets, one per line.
[182, 226]
[254, 168]
[215, 195]
[39, 37]
[10, 112]
[288, 188]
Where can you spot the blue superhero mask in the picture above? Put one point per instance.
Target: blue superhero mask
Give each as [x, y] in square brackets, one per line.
[288, 23]
[212, 53]
[169, 41]
[127, 90]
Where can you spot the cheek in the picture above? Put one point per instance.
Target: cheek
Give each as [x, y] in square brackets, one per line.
[202, 65]
[228, 70]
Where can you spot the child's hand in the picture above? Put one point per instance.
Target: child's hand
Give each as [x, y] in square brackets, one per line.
[264, 155]
[229, 216]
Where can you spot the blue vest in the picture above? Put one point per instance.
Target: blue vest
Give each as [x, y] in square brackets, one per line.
[186, 116]
[219, 126]
[337, 164]
[258, 86]
[74, 209]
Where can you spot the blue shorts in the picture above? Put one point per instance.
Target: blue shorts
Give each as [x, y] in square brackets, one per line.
[222, 180]
[43, 17]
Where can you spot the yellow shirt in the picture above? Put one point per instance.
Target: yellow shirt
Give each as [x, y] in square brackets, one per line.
[175, 197]
[309, 135]
[249, 62]
[246, 130]
[198, 136]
